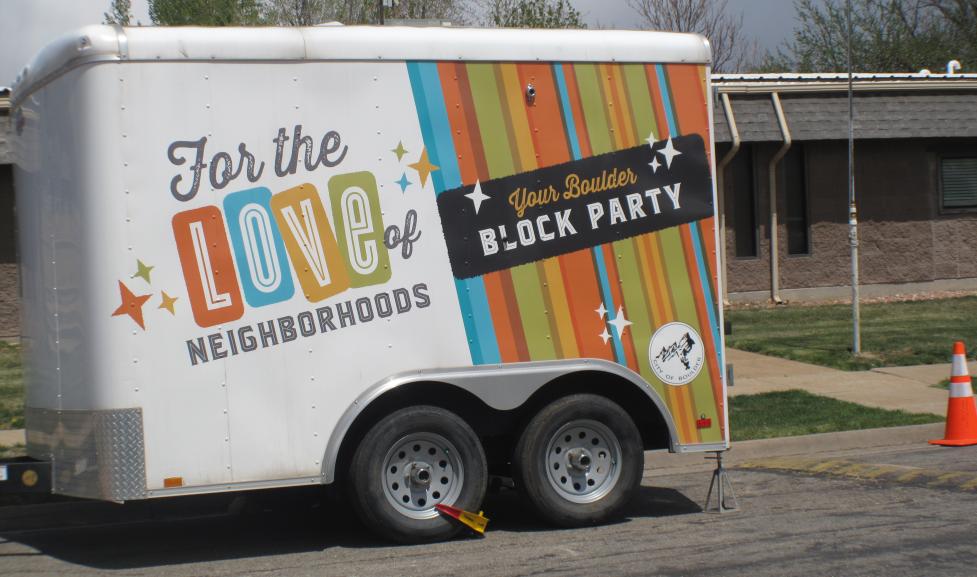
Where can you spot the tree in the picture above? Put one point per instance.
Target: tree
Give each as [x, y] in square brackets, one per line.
[450, 10]
[886, 36]
[534, 14]
[311, 12]
[355, 11]
[961, 17]
[299, 12]
[120, 12]
[204, 12]
[731, 51]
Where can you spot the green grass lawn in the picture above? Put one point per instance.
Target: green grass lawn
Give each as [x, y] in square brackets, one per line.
[893, 334]
[791, 413]
[11, 388]
[12, 451]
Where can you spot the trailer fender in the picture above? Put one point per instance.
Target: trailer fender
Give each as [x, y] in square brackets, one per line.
[501, 387]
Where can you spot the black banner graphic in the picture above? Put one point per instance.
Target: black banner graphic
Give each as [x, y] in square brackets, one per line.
[505, 222]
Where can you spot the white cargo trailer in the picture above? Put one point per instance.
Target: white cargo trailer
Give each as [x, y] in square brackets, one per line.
[393, 259]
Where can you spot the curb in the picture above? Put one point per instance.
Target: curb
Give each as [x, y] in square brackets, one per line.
[965, 481]
[661, 463]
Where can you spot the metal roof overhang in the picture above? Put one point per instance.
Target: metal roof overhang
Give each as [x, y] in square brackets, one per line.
[838, 82]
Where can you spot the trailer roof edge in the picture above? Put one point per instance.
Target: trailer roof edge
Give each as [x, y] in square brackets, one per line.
[95, 44]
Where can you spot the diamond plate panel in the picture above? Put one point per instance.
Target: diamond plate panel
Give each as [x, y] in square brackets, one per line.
[96, 454]
[122, 455]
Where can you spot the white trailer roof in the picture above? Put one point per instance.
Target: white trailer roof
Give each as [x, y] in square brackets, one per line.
[147, 44]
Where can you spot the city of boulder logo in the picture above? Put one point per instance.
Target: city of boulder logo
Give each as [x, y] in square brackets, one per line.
[676, 353]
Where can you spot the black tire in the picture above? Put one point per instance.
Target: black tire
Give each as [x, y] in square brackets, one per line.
[387, 484]
[588, 479]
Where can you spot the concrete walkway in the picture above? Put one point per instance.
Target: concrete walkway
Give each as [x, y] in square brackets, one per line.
[906, 388]
[11, 438]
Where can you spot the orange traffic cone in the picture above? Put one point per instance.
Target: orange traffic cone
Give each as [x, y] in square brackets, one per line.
[961, 413]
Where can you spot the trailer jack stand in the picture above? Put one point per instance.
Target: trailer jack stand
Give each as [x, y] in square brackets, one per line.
[724, 489]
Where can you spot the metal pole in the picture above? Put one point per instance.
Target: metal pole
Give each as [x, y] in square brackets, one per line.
[852, 209]
[380, 11]
[772, 174]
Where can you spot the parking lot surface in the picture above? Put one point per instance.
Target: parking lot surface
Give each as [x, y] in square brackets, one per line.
[790, 522]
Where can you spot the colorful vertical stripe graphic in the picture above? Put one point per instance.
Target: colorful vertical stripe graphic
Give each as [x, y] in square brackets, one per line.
[605, 302]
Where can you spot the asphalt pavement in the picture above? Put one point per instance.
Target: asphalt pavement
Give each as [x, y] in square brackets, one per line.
[869, 502]
[789, 522]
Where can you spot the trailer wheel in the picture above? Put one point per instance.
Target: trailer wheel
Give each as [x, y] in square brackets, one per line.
[579, 461]
[411, 461]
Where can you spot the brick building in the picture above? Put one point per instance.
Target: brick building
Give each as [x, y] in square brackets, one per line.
[9, 279]
[915, 182]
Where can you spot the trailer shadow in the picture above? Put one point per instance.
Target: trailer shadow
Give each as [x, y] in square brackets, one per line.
[509, 513]
[217, 528]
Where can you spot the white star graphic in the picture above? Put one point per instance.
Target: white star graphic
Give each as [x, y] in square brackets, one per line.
[620, 323]
[654, 164]
[605, 335]
[601, 311]
[669, 152]
[651, 139]
[477, 197]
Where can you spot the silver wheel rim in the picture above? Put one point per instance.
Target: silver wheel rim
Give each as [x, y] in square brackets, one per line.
[419, 471]
[583, 461]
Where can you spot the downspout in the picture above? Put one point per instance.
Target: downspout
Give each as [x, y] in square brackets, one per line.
[772, 172]
[721, 190]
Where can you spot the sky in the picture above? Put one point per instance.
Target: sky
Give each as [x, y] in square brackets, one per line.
[770, 22]
[27, 25]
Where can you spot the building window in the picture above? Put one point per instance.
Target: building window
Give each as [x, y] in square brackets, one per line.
[744, 202]
[795, 187]
[958, 183]
[8, 240]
